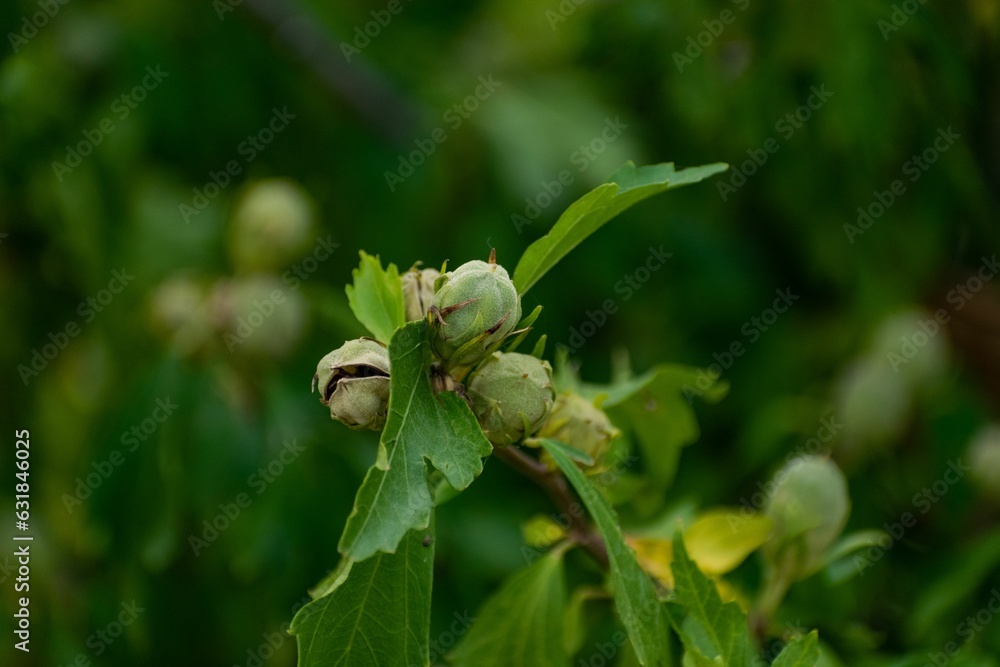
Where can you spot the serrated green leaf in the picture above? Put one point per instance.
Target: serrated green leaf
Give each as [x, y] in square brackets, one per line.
[655, 408]
[714, 634]
[800, 652]
[628, 186]
[523, 624]
[378, 615]
[635, 597]
[376, 297]
[421, 427]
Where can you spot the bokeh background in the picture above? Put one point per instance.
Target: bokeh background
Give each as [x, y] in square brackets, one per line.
[118, 121]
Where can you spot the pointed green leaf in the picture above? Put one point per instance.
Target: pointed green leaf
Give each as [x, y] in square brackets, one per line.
[714, 634]
[522, 625]
[635, 598]
[656, 407]
[800, 652]
[525, 327]
[628, 186]
[378, 615]
[421, 427]
[376, 297]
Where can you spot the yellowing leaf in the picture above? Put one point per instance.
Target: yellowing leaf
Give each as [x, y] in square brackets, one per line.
[720, 539]
[654, 555]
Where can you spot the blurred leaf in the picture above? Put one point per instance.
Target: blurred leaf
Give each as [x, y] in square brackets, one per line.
[714, 634]
[394, 496]
[377, 615]
[628, 186]
[376, 297]
[839, 566]
[575, 630]
[541, 531]
[720, 539]
[522, 625]
[635, 598]
[800, 652]
[955, 588]
[657, 407]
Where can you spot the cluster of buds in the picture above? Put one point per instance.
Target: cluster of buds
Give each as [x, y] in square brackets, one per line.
[471, 311]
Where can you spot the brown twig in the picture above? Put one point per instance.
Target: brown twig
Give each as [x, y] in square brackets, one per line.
[555, 485]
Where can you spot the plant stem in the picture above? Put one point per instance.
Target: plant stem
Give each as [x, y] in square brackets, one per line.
[777, 580]
[555, 485]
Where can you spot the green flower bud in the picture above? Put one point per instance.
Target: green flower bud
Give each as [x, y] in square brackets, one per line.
[476, 307]
[257, 314]
[809, 507]
[179, 314]
[580, 424]
[354, 383]
[272, 225]
[511, 395]
[418, 292]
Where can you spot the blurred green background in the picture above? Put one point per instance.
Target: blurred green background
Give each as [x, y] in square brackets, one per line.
[119, 121]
